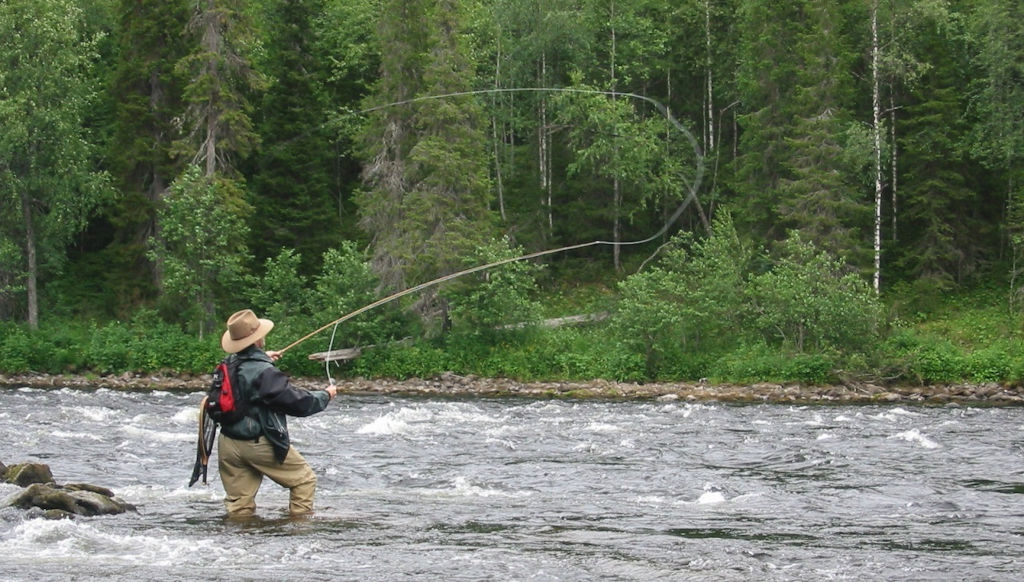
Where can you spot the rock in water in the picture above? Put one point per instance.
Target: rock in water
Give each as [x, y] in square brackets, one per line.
[25, 474]
[59, 501]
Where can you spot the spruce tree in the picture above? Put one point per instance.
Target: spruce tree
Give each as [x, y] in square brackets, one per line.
[147, 97]
[291, 185]
[217, 122]
[426, 203]
[817, 196]
[942, 230]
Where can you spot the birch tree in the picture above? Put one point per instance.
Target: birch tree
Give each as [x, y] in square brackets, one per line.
[47, 177]
[998, 102]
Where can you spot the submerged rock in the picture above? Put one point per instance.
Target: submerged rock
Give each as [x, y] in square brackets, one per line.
[59, 501]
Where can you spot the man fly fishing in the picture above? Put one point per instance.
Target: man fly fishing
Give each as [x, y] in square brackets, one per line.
[258, 444]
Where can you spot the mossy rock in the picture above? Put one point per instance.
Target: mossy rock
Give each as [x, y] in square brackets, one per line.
[25, 474]
[60, 502]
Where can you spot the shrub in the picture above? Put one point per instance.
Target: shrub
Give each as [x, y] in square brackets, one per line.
[693, 300]
[345, 284]
[810, 301]
[16, 349]
[482, 303]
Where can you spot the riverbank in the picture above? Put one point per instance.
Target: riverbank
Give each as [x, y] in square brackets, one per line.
[452, 385]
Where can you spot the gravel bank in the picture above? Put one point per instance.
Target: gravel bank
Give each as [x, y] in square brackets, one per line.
[452, 385]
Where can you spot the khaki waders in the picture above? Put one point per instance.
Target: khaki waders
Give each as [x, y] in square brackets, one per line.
[243, 463]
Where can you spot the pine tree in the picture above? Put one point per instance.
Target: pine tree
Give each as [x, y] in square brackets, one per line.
[426, 202]
[293, 200]
[147, 97]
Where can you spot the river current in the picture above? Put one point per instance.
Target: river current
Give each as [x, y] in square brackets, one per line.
[541, 490]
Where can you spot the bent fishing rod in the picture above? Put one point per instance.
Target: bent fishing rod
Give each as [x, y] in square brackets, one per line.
[691, 197]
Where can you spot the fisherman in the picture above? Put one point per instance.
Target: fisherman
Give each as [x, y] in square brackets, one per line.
[258, 444]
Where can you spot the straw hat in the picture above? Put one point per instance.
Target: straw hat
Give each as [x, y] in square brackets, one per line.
[244, 329]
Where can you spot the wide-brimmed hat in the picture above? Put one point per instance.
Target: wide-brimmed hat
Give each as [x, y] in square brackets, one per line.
[244, 329]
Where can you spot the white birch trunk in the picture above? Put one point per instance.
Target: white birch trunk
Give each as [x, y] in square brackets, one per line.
[31, 287]
[877, 135]
[709, 142]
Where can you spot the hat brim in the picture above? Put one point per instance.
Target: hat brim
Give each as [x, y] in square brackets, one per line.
[232, 346]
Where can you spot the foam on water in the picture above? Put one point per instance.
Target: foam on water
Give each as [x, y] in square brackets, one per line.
[151, 435]
[463, 486]
[63, 434]
[602, 427]
[389, 424]
[711, 497]
[90, 413]
[43, 540]
[914, 436]
[188, 415]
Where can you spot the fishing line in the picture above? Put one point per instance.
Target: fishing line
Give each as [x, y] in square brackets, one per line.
[691, 197]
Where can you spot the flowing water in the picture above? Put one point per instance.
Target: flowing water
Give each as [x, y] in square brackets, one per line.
[504, 489]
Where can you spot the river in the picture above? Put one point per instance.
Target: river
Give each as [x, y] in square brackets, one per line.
[544, 490]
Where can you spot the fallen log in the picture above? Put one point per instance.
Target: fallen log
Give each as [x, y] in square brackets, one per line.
[342, 355]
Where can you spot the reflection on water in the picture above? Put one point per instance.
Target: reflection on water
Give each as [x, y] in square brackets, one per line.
[534, 490]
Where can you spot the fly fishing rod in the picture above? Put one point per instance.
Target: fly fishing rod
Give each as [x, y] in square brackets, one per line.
[691, 197]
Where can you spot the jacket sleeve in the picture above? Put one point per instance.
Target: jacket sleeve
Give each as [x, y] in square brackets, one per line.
[278, 394]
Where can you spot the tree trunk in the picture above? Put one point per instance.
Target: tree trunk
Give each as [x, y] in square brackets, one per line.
[494, 133]
[709, 142]
[892, 162]
[544, 151]
[30, 257]
[877, 136]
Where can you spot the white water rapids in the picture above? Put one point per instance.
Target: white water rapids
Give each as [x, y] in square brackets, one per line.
[514, 489]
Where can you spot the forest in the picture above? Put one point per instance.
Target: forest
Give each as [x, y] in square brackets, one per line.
[746, 190]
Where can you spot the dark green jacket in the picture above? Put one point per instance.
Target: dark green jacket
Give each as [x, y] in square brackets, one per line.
[271, 398]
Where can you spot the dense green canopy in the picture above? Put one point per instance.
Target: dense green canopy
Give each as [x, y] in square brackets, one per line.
[886, 134]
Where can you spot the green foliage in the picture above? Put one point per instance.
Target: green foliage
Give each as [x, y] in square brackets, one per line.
[145, 98]
[693, 301]
[500, 296]
[808, 300]
[202, 247]
[49, 186]
[281, 291]
[218, 127]
[17, 353]
[347, 283]
[778, 93]
[145, 345]
[760, 362]
[419, 360]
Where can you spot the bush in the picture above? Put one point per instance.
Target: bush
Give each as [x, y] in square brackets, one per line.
[481, 303]
[762, 363]
[16, 349]
[809, 301]
[692, 301]
[420, 360]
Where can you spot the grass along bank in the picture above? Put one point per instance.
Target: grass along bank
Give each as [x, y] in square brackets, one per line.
[971, 341]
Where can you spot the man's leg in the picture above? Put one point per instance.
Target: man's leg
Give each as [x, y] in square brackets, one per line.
[295, 474]
[240, 479]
